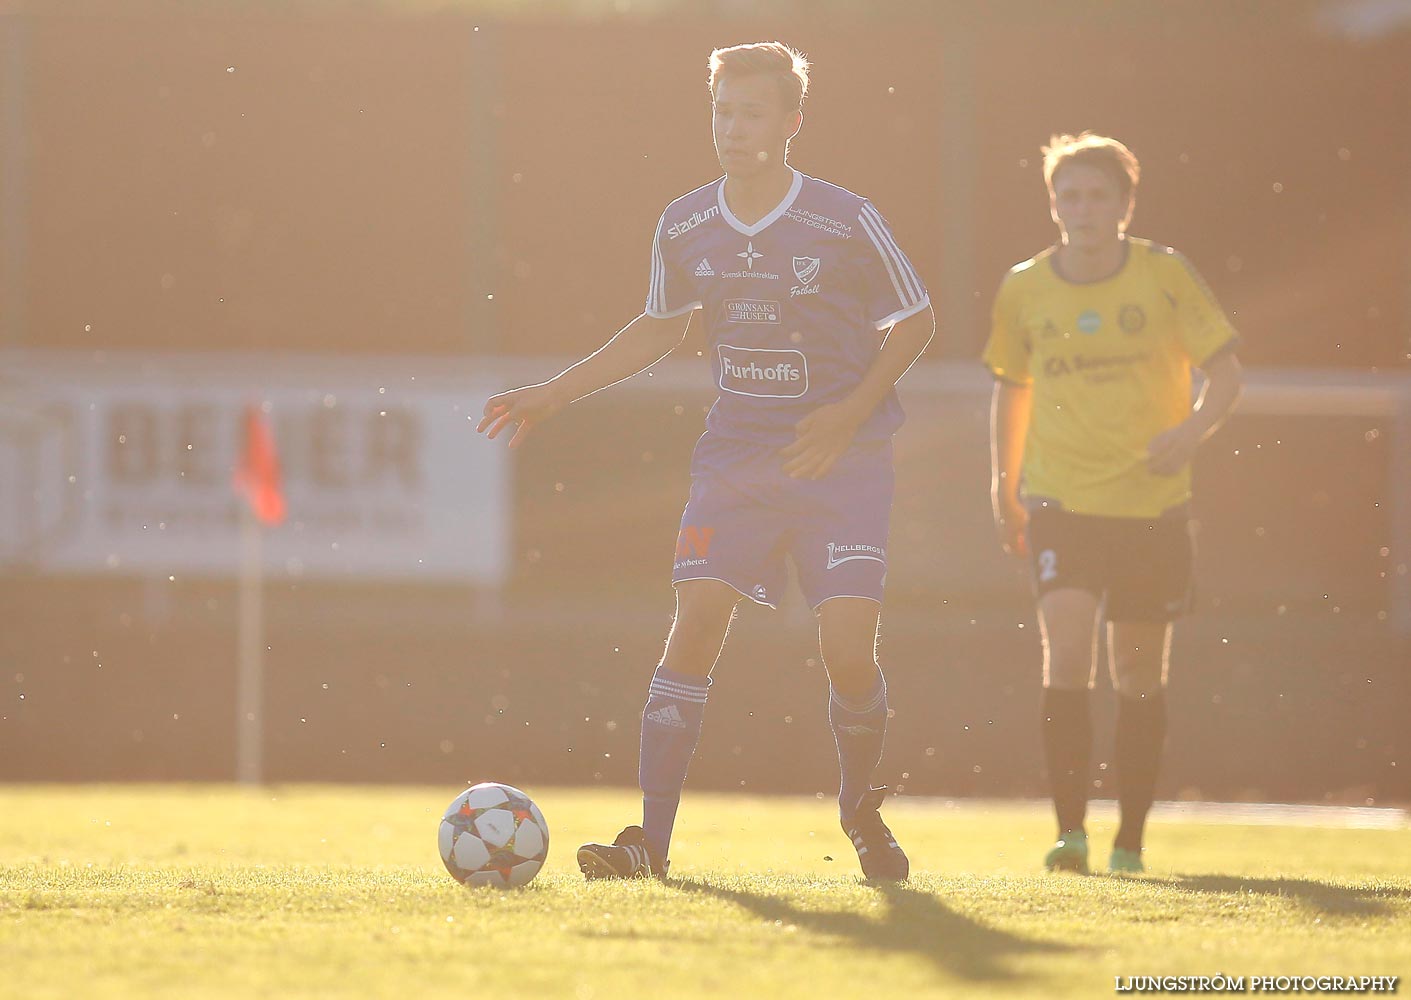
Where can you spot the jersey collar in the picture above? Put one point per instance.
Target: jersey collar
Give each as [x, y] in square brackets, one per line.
[1058, 271]
[769, 219]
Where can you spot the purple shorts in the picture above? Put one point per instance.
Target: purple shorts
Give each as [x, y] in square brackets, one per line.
[745, 517]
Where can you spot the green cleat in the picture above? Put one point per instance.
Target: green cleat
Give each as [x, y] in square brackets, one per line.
[1070, 854]
[1125, 861]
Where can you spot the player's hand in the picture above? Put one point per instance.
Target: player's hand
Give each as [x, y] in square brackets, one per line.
[527, 407]
[1011, 524]
[1171, 451]
[823, 437]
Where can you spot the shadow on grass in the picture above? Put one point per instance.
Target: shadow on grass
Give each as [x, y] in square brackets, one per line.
[1325, 897]
[915, 923]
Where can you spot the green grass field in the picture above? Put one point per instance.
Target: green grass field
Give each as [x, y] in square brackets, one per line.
[316, 891]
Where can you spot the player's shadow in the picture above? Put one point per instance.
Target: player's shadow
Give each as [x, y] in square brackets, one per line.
[1324, 897]
[915, 922]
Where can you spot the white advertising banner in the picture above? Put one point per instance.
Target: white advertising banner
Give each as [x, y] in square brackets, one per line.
[123, 464]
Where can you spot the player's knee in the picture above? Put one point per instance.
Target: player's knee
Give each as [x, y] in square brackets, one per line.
[1138, 658]
[692, 649]
[697, 635]
[1068, 658]
[1134, 678]
[852, 673]
[1069, 668]
[1069, 655]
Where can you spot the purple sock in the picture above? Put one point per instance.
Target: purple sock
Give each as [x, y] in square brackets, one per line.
[859, 728]
[671, 727]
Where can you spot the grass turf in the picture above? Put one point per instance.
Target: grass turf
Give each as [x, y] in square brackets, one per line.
[318, 891]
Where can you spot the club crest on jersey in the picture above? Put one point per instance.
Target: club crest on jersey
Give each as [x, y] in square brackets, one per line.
[1132, 318]
[806, 270]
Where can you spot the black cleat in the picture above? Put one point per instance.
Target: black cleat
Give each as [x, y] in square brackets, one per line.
[882, 860]
[626, 857]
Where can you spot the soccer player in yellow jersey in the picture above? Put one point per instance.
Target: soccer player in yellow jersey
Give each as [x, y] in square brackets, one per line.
[1092, 435]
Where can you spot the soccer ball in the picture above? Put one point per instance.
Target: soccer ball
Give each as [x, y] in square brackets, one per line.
[492, 834]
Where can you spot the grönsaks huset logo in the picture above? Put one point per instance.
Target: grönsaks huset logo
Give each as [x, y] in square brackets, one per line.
[752, 311]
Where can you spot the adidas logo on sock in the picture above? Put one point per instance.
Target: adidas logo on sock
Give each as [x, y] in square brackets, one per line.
[667, 715]
[704, 270]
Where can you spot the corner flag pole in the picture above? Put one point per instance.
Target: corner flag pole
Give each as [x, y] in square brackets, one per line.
[257, 480]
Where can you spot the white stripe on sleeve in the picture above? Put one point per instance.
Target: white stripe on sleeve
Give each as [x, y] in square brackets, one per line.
[905, 281]
[656, 294]
[903, 262]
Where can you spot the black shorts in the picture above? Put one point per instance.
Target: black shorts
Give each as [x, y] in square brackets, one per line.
[1141, 569]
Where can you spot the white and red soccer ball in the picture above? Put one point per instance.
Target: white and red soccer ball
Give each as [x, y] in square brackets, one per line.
[493, 834]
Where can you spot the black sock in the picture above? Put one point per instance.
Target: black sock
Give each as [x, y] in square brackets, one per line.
[1067, 735]
[1141, 729]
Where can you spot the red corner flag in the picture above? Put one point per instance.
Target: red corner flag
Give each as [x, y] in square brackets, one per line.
[257, 474]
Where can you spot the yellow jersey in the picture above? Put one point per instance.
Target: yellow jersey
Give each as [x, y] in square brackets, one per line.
[1110, 366]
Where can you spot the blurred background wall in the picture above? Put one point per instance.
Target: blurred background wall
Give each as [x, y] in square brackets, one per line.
[368, 216]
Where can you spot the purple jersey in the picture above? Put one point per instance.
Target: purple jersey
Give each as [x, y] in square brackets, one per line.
[795, 305]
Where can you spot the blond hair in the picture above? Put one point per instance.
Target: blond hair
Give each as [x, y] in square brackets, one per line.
[1103, 152]
[786, 65]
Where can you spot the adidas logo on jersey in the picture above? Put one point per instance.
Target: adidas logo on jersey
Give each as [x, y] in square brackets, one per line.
[667, 715]
[704, 270]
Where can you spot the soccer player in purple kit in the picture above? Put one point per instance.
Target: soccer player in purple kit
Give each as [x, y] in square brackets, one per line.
[813, 313]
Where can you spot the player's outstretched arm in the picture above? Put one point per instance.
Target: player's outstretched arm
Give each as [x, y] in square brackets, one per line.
[1170, 451]
[636, 347]
[1010, 410]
